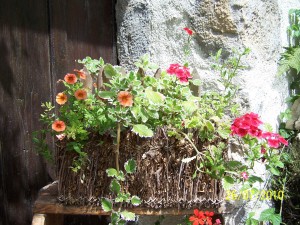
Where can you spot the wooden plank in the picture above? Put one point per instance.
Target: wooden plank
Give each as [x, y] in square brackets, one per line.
[24, 83]
[79, 29]
[47, 203]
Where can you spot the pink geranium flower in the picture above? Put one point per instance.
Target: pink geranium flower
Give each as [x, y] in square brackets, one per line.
[245, 175]
[181, 72]
[247, 124]
[274, 140]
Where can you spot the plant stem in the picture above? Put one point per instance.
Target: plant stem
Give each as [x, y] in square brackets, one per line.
[118, 145]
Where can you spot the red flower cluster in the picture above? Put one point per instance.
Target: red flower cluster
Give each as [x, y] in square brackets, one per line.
[181, 72]
[274, 139]
[247, 124]
[189, 31]
[202, 218]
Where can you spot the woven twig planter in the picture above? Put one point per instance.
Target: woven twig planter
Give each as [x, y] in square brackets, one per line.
[162, 180]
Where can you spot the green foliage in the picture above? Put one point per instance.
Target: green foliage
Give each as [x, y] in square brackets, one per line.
[290, 60]
[268, 215]
[92, 65]
[119, 216]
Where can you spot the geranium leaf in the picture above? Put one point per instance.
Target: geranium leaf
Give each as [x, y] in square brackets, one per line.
[189, 106]
[109, 71]
[115, 186]
[128, 216]
[196, 82]
[154, 97]
[135, 200]
[142, 130]
[111, 172]
[130, 166]
[227, 182]
[106, 204]
[107, 94]
[270, 215]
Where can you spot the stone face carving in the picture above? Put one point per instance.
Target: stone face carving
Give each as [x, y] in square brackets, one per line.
[294, 122]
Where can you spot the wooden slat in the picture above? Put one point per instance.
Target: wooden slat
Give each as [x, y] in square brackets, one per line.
[24, 84]
[79, 29]
[47, 203]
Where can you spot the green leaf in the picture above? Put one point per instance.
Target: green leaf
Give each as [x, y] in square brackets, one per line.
[128, 216]
[154, 97]
[120, 176]
[270, 215]
[279, 164]
[245, 187]
[187, 160]
[189, 106]
[233, 164]
[210, 126]
[109, 71]
[115, 186]
[107, 94]
[253, 179]
[227, 182]
[274, 171]
[106, 204]
[135, 200]
[111, 172]
[142, 130]
[130, 166]
[196, 82]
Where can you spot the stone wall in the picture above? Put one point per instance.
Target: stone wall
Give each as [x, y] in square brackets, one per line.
[156, 27]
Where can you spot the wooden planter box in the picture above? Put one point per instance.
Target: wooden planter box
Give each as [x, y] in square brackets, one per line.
[162, 180]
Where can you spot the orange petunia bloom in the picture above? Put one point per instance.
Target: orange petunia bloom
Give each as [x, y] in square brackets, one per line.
[70, 78]
[80, 73]
[80, 94]
[125, 98]
[61, 98]
[58, 125]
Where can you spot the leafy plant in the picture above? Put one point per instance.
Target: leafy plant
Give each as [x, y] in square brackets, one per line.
[120, 196]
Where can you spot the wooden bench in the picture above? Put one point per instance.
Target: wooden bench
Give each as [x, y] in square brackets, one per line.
[48, 211]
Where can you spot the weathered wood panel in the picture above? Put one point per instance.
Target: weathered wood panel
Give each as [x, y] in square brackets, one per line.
[24, 83]
[39, 41]
[78, 29]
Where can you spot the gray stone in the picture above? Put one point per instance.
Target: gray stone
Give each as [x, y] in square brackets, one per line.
[156, 27]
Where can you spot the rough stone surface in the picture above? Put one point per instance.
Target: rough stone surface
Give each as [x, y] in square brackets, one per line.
[155, 27]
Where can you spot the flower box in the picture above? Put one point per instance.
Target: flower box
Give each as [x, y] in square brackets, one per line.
[162, 180]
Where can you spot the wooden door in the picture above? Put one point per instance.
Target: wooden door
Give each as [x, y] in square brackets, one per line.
[39, 43]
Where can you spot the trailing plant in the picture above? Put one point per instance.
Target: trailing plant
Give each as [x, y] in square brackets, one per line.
[120, 196]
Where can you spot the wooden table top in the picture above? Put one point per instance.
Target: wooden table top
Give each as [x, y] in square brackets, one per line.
[47, 203]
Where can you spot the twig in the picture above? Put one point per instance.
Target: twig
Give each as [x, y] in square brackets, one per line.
[118, 146]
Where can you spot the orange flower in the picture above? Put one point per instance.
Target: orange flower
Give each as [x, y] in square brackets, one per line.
[125, 98]
[58, 125]
[80, 73]
[80, 94]
[70, 78]
[61, 98]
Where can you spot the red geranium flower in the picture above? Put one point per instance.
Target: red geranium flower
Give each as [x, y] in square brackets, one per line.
[125, 98]
[181, 72]
[201, 218]
[247, 124]
[274, 140]
[58, 125]
[70, 78]
[189, 31]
